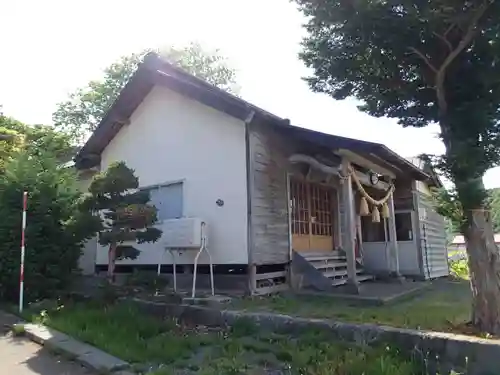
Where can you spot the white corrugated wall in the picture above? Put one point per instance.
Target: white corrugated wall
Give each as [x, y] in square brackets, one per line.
[432, 239]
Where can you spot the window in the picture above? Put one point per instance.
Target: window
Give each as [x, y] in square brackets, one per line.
[404, 229]
[168, 200]
[373, 232]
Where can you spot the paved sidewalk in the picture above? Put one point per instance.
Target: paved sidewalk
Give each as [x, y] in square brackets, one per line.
[20, 356]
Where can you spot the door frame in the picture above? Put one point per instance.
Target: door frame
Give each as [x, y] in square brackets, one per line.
[335, 211]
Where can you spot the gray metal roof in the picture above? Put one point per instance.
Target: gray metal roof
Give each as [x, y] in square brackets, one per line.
[155, 71]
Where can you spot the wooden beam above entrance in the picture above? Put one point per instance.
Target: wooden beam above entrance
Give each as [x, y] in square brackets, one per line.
[357, 159]
[365, 180]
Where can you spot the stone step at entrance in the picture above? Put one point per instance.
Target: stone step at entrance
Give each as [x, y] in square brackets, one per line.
[333, 265]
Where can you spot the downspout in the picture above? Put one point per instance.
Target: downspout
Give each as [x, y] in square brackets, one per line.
[249, 176]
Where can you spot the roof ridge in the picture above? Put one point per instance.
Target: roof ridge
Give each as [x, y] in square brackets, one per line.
[158, 63]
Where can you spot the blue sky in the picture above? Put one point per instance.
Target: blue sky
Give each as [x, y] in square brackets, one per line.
[51, 47]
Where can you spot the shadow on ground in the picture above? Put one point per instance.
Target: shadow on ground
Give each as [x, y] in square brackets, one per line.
[20, 356]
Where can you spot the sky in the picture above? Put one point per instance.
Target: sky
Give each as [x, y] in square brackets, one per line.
[51, 47]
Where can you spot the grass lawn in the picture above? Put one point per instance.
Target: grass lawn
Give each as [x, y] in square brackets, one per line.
[180, 349]
[444, 307]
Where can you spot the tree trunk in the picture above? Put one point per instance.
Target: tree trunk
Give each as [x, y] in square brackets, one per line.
[484, 268]
[482, 252]
[111, 262]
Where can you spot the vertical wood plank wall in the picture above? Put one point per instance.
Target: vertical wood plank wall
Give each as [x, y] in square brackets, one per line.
[268, 191]
[269, 153]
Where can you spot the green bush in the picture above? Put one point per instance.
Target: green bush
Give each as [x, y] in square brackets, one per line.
[55, 232]
[459, 268]
[149, 280]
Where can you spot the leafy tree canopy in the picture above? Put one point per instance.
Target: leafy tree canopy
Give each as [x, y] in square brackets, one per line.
[422, 62]
[16, 137]
[85, 108]
[418, 61]
[449, 206]
[494, 205]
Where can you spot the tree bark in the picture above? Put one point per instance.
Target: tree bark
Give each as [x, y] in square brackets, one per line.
[482, 252]
[111, 262]
[484, 268]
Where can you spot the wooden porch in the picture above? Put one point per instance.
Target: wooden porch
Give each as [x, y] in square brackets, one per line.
[305, 192]
[327, 222]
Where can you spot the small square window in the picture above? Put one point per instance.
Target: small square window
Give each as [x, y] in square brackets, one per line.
[404, 228]
[168, 200]
[374, 232]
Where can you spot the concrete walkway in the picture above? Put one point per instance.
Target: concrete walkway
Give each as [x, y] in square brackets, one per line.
[20, 356]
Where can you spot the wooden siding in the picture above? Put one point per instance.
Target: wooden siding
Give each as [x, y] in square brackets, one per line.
[432, 239]
[269, 168]
[403, 196]
[268, 196]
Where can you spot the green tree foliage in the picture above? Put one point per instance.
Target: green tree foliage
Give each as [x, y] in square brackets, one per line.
[39, 139]
[32, 139]
[127, 218]
[10, 144]
[447, 204]
[11, 139]
[82, 112]
[494, 205]
[56, 229]
[420, 62]
[423, 62]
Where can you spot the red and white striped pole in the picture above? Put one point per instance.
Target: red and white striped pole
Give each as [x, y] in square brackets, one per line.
[21, 276]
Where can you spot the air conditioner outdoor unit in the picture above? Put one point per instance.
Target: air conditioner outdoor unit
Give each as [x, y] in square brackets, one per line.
[184, 233]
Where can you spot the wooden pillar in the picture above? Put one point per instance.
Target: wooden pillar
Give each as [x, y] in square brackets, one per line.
[252, 279]
[349, 246]
[394, 259]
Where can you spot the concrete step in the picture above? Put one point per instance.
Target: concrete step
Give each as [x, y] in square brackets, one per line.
[338, 282]
[321, 254]
[327, 265]
[365, 277]
[340, 273]
[343, 281]
[321, 258]
[333, 265]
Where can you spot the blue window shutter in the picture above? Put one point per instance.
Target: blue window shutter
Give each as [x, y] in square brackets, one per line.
[168, 201]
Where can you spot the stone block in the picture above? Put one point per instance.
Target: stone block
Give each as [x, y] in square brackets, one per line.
[210, 301]
[71, 347]
[42, 335]
[100, 361]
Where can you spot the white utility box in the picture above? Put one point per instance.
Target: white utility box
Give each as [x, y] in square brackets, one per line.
[183, 233]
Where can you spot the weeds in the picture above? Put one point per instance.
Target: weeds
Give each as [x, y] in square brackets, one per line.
[460, 269]
[172, 348]
[444, 307]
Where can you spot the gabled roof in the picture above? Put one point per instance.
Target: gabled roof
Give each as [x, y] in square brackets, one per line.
[375, 152]
[425, 166]
[155, 71]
